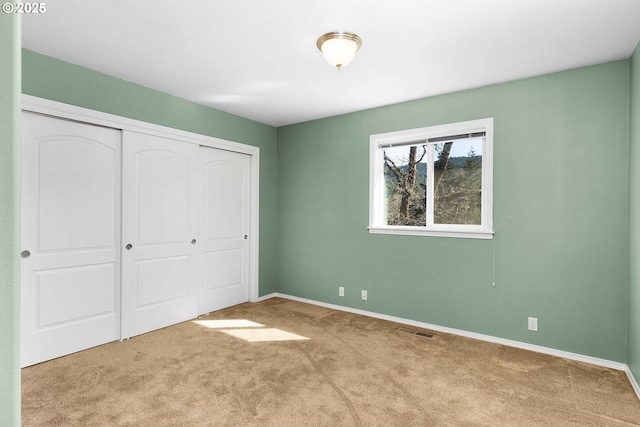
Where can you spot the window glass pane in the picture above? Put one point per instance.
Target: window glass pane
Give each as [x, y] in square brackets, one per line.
[458, 182]
[405, 172]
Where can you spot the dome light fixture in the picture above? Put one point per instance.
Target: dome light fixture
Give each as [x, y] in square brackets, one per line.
[339, 47]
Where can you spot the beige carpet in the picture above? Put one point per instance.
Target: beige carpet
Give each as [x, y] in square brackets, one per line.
[318, 367]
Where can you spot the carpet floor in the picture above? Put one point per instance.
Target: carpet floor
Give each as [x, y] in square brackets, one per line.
[284, 363]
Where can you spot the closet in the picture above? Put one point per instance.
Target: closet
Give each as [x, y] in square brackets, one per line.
[127, 229]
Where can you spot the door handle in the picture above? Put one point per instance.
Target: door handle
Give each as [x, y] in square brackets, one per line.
[193, 241]
[25, 254]
[128, 247]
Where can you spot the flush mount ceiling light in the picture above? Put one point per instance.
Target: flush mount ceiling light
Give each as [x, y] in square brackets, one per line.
[339, 47]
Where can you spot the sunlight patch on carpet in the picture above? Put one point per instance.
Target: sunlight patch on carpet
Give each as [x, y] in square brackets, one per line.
[249, 331]
[262, 335]
[228, 323]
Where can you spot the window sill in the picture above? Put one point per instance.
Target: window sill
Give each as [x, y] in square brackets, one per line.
[421, 231]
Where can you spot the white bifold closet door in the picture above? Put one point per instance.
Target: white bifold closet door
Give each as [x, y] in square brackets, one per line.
[70, 237]
[159, 232]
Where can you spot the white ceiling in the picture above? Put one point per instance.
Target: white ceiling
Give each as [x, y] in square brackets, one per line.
[258, 58]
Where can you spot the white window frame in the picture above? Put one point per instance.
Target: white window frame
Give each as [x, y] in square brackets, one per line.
[377, 221]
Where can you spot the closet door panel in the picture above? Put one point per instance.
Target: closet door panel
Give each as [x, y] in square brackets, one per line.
[224, 182]
[159, 214]
[76, 186]
[163, 202]
[70, 235]
[156, 279]
[223, 268]
[225, 218]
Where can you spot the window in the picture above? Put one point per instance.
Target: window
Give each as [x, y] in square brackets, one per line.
[434, 181]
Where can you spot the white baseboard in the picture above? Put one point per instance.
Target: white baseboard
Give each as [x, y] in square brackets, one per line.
[633, 381]
[525, 346]
[266, 297]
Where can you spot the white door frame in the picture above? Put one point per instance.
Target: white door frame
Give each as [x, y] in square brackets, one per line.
[72, 112]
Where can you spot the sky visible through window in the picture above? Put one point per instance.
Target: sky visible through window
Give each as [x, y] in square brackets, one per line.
[460, 148]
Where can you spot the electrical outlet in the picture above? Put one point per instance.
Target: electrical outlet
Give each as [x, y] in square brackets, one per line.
[533, 324]
[341, 291]
[364, 294]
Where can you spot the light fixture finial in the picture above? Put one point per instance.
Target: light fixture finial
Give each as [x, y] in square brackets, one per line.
[339, 47]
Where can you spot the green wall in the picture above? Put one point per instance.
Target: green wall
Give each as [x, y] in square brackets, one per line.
[560, 215]
[633, 343]
[61, 81]
[9, 220]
